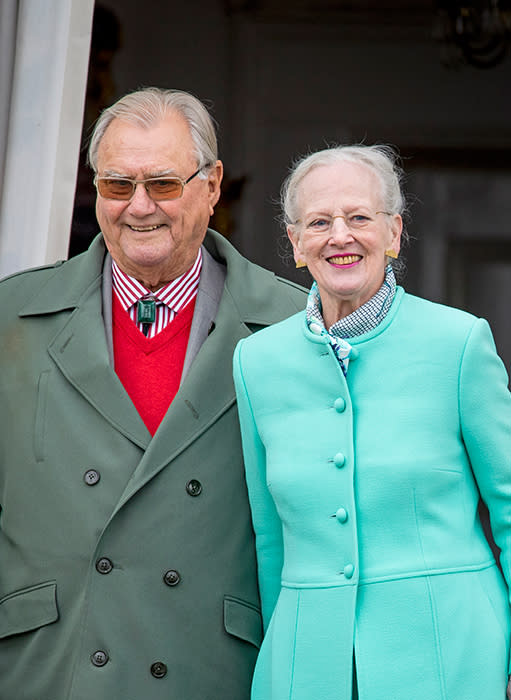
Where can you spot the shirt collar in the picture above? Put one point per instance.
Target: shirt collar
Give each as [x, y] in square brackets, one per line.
[175, 294]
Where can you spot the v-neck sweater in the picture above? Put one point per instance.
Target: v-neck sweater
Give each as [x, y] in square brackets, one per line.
[150, 368]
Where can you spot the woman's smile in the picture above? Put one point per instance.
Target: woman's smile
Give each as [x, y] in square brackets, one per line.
[345, 260]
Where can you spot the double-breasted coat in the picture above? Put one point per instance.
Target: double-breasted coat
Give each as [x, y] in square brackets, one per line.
[364, 494]
[127, 565]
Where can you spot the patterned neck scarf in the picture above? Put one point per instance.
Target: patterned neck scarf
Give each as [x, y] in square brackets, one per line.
[362, 320]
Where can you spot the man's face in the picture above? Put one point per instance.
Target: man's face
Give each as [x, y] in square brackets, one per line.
[154, 242]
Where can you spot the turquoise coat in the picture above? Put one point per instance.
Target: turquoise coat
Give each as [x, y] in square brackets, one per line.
[364, 496]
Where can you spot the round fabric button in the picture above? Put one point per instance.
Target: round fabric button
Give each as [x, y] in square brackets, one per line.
[339, 460]
[158, 669]
[349, 570]
[91, 477]
[171, 577]
[104, 565]
[99, 658]
[340, 404]
[342, 515]
[194, 487]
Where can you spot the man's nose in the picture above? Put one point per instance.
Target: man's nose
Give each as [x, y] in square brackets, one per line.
[141, 203]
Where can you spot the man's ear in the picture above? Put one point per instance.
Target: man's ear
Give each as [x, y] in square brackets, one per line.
[215, 175]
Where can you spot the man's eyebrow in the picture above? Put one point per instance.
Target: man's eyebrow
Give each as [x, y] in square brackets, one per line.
[162, 173]
[113, 173]
[169, 172]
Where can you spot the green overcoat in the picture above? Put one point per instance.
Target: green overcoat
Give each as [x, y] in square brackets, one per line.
[127, 565]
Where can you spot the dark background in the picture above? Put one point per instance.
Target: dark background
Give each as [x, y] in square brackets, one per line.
[282, 77]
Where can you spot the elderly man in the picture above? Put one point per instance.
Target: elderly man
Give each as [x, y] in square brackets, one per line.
[127, 566]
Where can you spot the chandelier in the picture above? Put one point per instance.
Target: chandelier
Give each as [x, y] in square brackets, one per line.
[477, 32]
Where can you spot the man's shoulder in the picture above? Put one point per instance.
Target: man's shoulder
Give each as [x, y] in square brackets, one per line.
[292, 293]
[285, 333]
[66, 280]
[260, 295]
[20, 285]
[31, 274]
[294, 289]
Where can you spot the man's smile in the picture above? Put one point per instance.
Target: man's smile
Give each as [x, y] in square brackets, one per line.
[143, 229]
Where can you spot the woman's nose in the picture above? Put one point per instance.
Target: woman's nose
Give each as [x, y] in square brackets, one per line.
[340, 229]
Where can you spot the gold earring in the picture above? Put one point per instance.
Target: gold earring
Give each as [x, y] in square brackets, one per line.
[391, 253]
[300, 263]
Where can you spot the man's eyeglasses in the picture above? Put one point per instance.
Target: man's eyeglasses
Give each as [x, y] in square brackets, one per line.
[158, 188]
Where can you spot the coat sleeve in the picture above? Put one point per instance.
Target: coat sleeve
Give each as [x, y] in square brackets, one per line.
[485, 410]
[265, 519]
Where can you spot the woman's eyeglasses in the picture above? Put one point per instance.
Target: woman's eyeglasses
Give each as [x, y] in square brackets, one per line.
[355, 221]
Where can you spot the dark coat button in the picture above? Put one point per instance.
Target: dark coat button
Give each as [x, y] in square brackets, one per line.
[194, 487]
[99, 658]
[91, 477]
[104, 565]
[171, 577]
[158, 669]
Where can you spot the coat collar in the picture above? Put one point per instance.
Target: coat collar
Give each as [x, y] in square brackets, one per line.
[251, 287]
[79, 348]
[70, 282]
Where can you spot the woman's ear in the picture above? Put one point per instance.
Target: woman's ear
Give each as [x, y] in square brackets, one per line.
[295, 242]
[396, 229]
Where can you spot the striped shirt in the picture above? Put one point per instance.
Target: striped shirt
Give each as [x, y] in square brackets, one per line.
[170, 299]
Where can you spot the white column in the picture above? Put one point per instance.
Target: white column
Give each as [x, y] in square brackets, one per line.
[8, 22]
[44, 127]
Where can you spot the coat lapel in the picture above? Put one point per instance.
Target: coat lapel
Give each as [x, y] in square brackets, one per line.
[79, 349]
[251, 298]
[206, 393]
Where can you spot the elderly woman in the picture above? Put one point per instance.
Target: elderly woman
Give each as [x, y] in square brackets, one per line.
[372, 424]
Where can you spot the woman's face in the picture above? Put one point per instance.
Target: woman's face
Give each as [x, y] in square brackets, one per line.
[342, 235]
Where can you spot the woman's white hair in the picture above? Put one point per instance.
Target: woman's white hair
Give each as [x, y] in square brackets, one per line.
[147, 107]
[381, 159]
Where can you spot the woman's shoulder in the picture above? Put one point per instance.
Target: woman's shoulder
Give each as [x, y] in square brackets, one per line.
[439, 316]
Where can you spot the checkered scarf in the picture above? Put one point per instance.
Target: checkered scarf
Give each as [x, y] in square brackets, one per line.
[362, 320]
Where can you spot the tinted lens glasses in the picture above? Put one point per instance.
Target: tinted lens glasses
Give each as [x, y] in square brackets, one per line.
[158, 188]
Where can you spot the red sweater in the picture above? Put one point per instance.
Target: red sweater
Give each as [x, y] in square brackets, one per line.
[150, 368]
